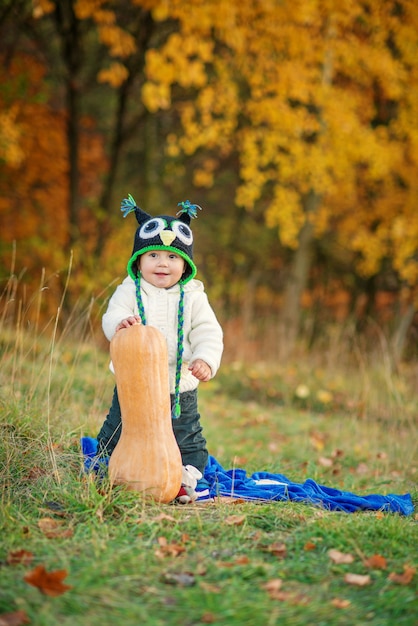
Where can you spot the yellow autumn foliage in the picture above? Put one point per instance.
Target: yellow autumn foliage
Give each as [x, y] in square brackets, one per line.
[312, 99]
[156, 96]
[115, 75]
[308, 94]
[41, 8]
[120, 43]
[85, 9]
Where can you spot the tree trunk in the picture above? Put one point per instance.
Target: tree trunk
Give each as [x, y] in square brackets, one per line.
[104, 223]
[155, 196]
[123, 127]
[302, 259]
[247, 314]
[297, 281]
[68, 28]
[401, 332]
[73, 141]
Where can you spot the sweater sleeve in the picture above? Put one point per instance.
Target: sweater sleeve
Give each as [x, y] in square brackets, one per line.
[206, 336]
[121, 305]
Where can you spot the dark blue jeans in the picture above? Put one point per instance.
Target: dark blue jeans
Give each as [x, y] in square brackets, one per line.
[187, 430]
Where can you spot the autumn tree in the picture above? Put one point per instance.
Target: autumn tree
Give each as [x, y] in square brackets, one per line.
[309, 105]
[60, 65]
[319, 100]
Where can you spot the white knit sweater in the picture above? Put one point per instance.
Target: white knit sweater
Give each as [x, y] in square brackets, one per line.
[203, 337]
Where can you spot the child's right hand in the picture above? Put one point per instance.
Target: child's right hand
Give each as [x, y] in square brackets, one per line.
[128, 321]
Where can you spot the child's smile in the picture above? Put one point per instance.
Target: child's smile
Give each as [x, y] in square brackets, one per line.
[161, 268]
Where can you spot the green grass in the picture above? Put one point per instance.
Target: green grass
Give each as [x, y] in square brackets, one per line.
[354, 430]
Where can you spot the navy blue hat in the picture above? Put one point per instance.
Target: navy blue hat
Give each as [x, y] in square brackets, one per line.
[163, 233]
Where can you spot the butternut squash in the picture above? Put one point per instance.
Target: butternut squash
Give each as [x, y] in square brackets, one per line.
[146, 458]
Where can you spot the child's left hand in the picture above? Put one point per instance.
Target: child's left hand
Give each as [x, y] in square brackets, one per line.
[201, 370]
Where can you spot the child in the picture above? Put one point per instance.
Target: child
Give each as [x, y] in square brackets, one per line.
[161, 290]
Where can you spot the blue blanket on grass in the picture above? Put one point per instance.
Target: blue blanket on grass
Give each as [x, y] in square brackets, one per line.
[264, 486]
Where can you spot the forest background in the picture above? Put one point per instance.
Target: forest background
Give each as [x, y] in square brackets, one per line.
[294, 124]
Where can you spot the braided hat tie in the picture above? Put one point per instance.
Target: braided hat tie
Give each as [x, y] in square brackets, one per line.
[180, 338]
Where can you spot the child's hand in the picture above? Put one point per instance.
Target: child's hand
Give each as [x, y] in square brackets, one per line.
[129, 321]
[201, 370]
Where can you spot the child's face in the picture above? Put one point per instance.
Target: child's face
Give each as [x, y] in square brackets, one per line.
[161, 268]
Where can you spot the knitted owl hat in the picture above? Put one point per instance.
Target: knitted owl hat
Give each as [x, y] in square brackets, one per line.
[164, 233]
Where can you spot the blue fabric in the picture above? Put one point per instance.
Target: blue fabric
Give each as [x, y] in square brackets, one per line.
[264, 486]
[89, 449]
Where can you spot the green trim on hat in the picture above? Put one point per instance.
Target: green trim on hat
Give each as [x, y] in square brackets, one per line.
[188, 260]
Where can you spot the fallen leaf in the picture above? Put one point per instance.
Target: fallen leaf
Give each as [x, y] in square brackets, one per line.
[275, 592]
[17, 557]
[256, 536]
[273, 585]
[240, 461]
[309, 545]
[54, 529]
[208, 618]
[396, 474]
[357, 579]
[340, 558]
[230, 500]
[225, 564]
[278, 549]
[14, 619]
[317, 440]
[49, 583]
[235, 520]
[35, 472]
[376, 562]
[325, 462]
[168, 549]
[242, 560]
[405, 578]
[339, 603]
